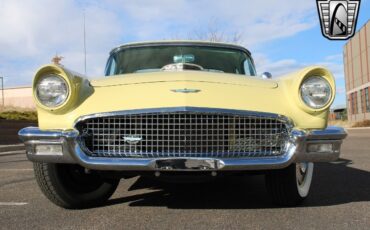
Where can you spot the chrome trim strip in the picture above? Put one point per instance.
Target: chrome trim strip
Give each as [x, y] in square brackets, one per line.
[180, 43]
[281, 118]
[331, 132]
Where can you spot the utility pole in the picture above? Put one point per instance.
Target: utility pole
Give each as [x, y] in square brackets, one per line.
[85, 40]
[2, 91]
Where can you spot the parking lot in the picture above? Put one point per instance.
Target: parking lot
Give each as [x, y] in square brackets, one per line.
[340, 199]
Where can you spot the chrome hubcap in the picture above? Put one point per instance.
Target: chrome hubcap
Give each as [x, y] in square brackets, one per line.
[301, 171]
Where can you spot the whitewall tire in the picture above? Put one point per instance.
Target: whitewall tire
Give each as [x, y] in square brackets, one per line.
[291, 185]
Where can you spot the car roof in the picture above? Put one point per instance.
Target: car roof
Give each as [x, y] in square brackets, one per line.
[180, 42]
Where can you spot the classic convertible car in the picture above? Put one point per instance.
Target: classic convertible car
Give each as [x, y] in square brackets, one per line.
[174, 108]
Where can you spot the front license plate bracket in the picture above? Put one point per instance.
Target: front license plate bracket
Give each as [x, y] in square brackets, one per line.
[187, 164]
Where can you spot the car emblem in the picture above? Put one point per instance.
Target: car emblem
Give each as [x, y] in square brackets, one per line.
[185, 90]
[132, 139]
[338, 18]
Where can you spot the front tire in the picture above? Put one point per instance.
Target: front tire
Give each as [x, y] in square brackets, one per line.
[291, 185]
[68, 186]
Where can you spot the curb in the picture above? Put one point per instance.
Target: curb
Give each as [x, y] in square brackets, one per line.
[8, 148]
[358, 128]
[8, 153]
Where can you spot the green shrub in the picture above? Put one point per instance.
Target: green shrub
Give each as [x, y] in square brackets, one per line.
[19, 115]
[364, 123]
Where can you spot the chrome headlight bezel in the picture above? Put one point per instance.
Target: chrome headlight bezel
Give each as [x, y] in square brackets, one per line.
[316, 85]
[52, 90]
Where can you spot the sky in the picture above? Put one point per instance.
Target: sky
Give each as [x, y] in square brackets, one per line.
[283, 36]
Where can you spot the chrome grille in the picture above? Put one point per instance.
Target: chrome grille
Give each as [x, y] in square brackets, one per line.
[183, 134]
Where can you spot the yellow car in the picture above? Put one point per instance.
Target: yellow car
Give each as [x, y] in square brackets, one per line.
[173, 108]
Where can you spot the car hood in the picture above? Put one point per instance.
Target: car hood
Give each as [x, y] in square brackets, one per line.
[184, 76]
[158, 90]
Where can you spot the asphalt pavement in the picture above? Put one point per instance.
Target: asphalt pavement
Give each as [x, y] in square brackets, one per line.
[339, 199]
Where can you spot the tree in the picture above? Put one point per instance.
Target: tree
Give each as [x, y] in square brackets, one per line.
[56, 59]
[213, 33]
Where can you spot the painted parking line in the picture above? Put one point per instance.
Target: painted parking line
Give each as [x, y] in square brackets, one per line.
[12, 203]
[16, 145]
[15, 170]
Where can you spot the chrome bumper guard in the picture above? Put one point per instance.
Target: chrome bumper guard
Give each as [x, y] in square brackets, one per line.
[63, 147]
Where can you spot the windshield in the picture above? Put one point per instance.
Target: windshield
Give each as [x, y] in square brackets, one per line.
[165, 58]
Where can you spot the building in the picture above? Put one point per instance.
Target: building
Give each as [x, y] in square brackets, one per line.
[18, 97]
[338, 113]
[356, 53]
[21, 97]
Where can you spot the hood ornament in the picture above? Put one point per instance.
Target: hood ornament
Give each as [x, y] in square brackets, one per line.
[185, 90]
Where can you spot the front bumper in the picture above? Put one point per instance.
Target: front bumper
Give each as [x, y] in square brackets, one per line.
[301, 148]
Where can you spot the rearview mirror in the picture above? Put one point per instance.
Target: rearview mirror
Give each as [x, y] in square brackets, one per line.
[184, 58]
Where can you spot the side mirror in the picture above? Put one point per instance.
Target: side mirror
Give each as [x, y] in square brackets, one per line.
[266, 75]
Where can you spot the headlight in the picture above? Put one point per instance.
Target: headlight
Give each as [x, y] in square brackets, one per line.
[316, 92]
[52, 90]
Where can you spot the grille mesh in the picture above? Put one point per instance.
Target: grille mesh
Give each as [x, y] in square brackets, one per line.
[183, 134]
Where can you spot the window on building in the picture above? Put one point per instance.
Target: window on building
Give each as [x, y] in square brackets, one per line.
[362, 94]
[367, 100]
[353, 103]
[354, 109]
[356, 102]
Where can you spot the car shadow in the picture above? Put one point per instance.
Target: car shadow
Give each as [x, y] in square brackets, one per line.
[334, 183]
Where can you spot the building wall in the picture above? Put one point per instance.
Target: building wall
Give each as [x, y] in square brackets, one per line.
[356, 54]
[20, 97]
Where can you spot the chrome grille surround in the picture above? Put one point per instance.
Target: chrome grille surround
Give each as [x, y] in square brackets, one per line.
[183, 132]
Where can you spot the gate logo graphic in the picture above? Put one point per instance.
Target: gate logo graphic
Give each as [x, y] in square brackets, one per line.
[338, 18]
